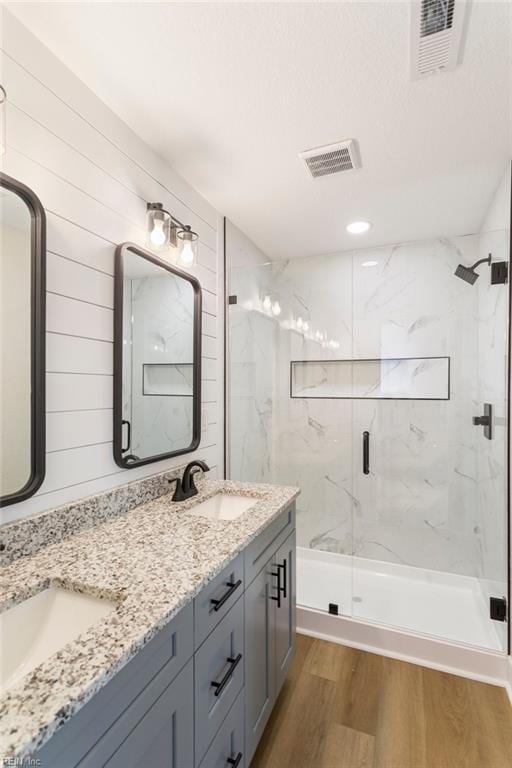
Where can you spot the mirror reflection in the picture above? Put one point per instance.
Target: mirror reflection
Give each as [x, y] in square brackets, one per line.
[160, 359]
[21, 341]
[15, 384]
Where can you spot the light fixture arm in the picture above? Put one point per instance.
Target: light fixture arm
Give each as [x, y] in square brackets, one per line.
[159, 207]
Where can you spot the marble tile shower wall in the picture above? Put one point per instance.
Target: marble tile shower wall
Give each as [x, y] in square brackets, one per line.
[418, 504]
[431, 476]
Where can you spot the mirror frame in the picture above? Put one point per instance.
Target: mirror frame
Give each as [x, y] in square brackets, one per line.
[118, 356]
[37, 340]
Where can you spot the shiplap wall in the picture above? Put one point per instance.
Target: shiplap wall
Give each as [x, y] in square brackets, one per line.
[93, 176]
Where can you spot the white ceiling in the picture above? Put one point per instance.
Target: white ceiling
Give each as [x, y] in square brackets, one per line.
[229, 93]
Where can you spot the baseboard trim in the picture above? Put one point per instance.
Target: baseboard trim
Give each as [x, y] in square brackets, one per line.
[475, 664]
[508, 684]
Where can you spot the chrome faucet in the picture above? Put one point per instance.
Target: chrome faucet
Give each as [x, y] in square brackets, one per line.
[185, 486]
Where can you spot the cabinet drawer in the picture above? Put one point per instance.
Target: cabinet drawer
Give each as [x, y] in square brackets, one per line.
[149, 672]
[216, 599]
[165, 734]
[263, 547]
[219, 660]
[229, 742]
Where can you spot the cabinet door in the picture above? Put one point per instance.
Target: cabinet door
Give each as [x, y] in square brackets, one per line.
[164, 738]
[284, 564]
[259, 656]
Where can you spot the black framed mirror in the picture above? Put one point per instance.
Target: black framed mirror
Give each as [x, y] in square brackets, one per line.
[22, 341]
[157, 359]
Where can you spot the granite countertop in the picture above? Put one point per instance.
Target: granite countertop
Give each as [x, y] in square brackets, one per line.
[151, 561]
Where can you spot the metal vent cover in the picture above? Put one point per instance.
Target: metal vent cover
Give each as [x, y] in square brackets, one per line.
[437, 28]
[333, 158]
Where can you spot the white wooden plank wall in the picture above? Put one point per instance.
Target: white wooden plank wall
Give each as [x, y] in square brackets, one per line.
[93, 175]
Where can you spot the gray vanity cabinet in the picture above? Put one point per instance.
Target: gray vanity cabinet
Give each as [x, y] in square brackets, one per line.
[199, 694]
[269, 633]
[285, 613]
[259, 657]
[219, 676]
[163, 738]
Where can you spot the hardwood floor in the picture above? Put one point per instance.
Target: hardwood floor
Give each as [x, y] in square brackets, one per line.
[344, 708]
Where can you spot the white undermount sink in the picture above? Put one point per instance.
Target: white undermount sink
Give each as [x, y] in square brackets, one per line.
[35, 629]
[224, 506]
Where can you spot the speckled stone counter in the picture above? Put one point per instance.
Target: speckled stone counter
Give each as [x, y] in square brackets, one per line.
[151, 561]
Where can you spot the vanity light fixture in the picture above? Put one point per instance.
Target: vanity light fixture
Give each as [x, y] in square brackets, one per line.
[3, 120]
[358, 227]
[187, 246]
[164, 230]
[159, 226]
[267, 303]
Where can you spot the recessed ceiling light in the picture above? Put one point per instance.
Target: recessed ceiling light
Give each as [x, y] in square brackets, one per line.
[358, 227]
[369, 263]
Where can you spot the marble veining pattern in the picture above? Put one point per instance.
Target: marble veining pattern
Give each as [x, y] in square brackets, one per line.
[152, 561]
[434, 495]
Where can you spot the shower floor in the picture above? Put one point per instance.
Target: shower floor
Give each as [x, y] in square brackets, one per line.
[433, 603]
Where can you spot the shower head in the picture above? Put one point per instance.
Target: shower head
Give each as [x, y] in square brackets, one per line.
[468, 273]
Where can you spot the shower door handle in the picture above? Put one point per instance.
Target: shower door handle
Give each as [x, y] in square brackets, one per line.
[128, 436]
[366, 453]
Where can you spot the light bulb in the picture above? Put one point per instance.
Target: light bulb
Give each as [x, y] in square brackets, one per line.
[300, 323]
[157, 236]
[305, 326]
[267, 303]
[187, 254]
[276, 308]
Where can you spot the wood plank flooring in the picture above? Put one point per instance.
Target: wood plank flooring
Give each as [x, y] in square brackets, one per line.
[344, 708]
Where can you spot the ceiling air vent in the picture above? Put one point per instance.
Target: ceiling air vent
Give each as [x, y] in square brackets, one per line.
[436, 36]
[333, 158]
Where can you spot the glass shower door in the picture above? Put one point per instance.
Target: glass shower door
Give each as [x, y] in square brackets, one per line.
[294, 437]
[430, 528]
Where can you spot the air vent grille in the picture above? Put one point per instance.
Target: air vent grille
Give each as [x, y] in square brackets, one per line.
[333, 158]
[436, 35]
[436, 16]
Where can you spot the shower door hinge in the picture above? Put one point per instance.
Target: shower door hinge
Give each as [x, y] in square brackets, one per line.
[498, 607]
[232, 299]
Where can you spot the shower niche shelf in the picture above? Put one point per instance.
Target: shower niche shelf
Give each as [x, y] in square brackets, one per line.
[168, 379]
[391, 378]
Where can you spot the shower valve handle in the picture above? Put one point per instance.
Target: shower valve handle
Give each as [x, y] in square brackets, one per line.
[485, 421]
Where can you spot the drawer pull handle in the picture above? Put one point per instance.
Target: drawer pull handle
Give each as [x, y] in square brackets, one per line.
[234, 761]
[279, 587]
[232, 588]
[219, 687]
[283, 566]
